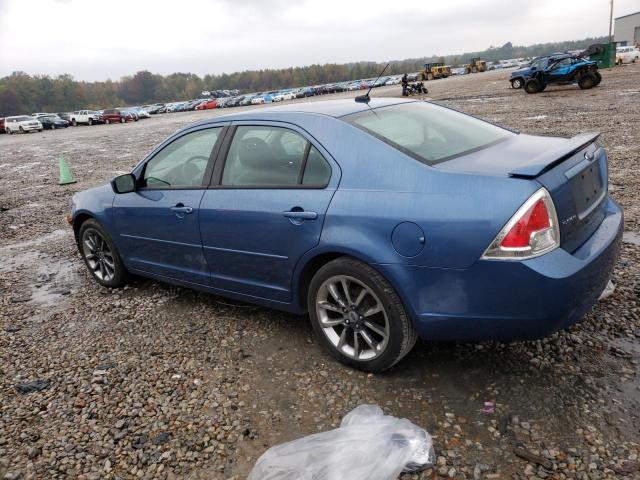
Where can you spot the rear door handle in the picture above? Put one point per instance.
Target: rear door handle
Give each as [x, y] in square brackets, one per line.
[300, 215]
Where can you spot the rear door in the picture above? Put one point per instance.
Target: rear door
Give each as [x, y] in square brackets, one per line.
[271, 189]
[158, 224]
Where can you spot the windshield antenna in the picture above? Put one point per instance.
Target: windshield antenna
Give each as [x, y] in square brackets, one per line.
[365, 98]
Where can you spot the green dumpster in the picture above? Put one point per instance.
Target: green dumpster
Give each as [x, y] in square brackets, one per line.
[607, 58]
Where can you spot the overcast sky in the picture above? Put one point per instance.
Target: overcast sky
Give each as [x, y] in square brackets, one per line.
[96, 40]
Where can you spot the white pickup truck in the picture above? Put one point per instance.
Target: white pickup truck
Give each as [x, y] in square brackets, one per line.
[88, 117]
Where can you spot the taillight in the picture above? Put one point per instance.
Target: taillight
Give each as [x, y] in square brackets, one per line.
[531, 232]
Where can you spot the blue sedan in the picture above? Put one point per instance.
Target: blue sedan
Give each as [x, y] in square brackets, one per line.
[383, 222]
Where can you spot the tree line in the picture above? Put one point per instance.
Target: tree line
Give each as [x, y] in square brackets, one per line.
[22, 93]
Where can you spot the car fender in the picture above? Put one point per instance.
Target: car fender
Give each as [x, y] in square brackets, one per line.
[95, 203]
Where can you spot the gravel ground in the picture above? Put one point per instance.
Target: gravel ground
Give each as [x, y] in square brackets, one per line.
[154, 381]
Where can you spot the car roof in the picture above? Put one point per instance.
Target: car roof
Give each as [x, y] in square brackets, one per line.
[331, 108]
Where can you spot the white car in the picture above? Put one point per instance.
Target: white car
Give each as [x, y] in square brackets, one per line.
[22, 124]
[393, 81]
[627, 55]
[88, 117]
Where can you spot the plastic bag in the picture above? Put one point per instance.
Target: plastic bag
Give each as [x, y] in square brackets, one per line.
[368, 445]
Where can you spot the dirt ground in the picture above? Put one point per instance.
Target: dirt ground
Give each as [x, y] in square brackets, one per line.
[154, 381]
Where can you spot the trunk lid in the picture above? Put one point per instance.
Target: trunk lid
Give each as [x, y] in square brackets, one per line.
[574, 171]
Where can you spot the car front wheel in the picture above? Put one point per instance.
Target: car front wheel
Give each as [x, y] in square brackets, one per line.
[100, 255]
[358, 316]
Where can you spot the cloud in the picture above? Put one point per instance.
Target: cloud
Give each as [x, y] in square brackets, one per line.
[216, 36]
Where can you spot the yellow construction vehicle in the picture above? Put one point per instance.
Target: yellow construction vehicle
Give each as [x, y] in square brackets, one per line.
[476, 65]
[435, 70]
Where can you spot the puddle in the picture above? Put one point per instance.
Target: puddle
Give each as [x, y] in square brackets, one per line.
[631, 237]
[48, 277]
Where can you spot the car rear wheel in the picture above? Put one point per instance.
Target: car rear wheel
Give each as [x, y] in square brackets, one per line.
[107, 121]
[21, 130]
[100, 255]
[516, 83]
[358, 316]
[91, 121]
[74, 123]
[122, 120]
[53, 126]
[586, 81]
[532, 86]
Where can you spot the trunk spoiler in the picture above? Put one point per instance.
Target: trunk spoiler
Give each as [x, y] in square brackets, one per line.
[549, 159]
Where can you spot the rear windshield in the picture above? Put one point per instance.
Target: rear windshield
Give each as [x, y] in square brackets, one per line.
[427, 132]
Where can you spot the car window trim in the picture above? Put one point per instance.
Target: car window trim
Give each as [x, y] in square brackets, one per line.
[216, 180]
[206, 177]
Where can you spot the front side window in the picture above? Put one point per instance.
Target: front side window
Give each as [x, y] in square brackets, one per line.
[182, 163]
[272, 157]
[427, 132]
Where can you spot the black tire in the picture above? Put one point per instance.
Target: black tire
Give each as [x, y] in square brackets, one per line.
[91, 121]
[517, 83]
[532, 86]
[598, 76]
[587, 81]
[53, 126]
[122, 119]
[73, 122]
[21, 130]
[401, 336]
[106, 122]
[120, 275]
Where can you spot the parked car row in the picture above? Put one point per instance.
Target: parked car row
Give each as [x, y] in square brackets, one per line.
[39, 121]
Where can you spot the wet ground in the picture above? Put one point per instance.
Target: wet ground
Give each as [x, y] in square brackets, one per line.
[154, 381]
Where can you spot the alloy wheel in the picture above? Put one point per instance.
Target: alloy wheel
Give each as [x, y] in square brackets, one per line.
[98, 255]
[352, 317]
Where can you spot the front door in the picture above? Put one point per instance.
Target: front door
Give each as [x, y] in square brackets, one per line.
[265, 211]
[158, 224]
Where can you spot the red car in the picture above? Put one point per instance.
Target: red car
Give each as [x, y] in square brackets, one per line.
[114, 115]
[208, 105]
[2, 130]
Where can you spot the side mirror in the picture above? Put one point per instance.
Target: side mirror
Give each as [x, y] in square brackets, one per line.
[124, 183]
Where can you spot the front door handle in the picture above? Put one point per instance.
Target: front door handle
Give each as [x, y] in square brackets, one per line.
[300, 215]
[180, 210]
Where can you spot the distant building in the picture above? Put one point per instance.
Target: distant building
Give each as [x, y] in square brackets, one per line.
[627, 29]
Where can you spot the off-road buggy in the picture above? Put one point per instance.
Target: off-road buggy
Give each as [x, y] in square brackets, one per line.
[559, 69]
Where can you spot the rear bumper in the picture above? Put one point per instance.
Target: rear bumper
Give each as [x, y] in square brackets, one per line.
[511, 300]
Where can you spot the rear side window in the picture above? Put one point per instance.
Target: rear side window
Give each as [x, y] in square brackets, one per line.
[271, 157]
[427, 132]
[317, 171]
